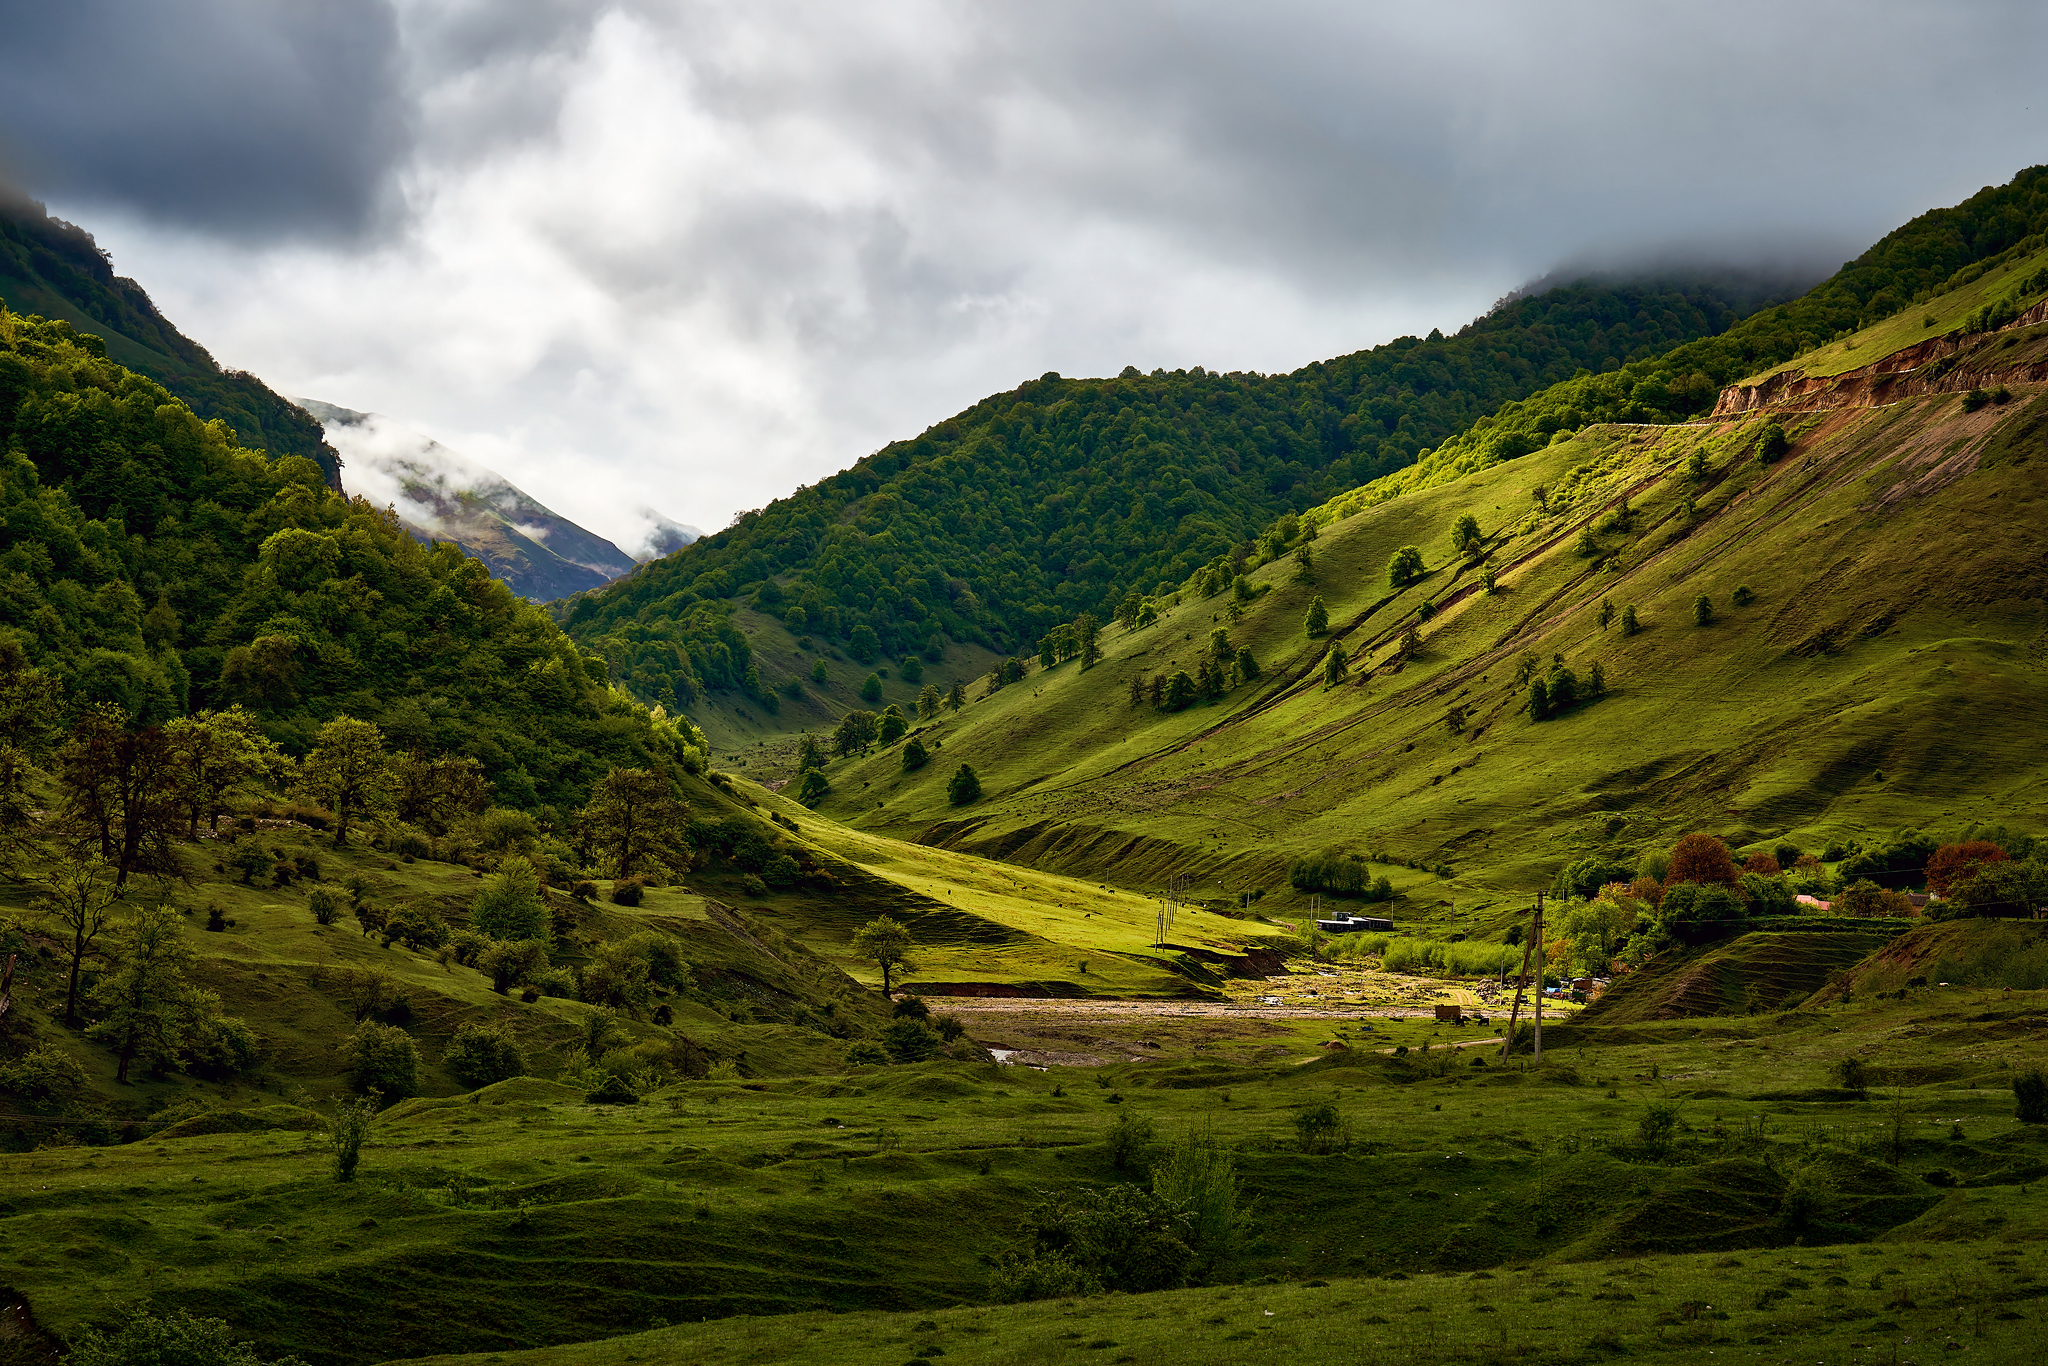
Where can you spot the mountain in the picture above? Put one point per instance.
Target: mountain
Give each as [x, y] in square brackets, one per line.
[1063, 495]
[148, 562]
[442, 496]
[54, 269]
[1816, 616]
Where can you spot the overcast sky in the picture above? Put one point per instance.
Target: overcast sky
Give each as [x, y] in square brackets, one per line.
[695, 254]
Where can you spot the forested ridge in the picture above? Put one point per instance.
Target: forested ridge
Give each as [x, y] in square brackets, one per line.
[47, 264]
[1063, 495]
[151, 564]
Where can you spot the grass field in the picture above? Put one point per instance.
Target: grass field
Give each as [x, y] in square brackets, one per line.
[520, 1216]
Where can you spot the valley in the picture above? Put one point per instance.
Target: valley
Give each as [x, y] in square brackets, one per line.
[917, 922]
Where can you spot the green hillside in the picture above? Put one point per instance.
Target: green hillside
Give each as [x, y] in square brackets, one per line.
[1059, 497]
[1064, 496]
[1878, 670]
[54, 269]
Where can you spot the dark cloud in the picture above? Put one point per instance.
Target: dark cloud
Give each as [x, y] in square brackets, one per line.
[241, 118]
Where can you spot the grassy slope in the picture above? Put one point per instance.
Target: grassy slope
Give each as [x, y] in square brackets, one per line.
[1937, 318]
[519, 1216]
[1884, 675]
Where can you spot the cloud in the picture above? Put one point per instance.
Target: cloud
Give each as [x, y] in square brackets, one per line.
[692, 255]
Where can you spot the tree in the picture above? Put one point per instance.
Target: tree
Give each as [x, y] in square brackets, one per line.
[813, 788]
[1179, 692]
[820, 675]
[1955, 863]
[1703, 859]
[871, 689]
[892, 724]
[888, 945]
[1703, 610]
[148, 1010]
[1596, 682]
[1606, 613]
[1771, 443]
[1318, 619]
[1127, 610]
[1465, 536]
[348, 771]
[1539, 700]
[963, 787]
[1336, 666]
[1304, 563]
[634, 818]
[345, 1132]
[382, 1059]
[436, 793]
[480, 1054]
[122, 785]
[956, 696]
[79, 899]
[915, 756]
[509, 906]
[934, 648]
[1629, 624]
[1087, 628]
[1694, 912]
[28, 724]
[1405, 566]
[809, 753]
[1743, 595]
[856, 733]
[863, 644]
[1247, 666]
[929, 701]
[216, 753]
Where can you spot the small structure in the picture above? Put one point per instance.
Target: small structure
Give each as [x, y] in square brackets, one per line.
[1451, 1014]
[1355, 924]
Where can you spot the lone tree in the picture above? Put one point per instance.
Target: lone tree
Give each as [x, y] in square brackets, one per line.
[633, 818]
[1335, 666]
[1465, 537]
[956, 696]
[887, 944]
[809, 754]
[1405, 566]
[963, 787]
[509, 906]
[348, 770]
[1629, 624]
[871, 689]
[1318, 619]
[1703, 859]
[1703, 610]
[915, 756]
[1771, 443]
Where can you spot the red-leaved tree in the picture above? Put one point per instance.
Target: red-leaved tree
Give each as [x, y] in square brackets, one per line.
[1953, 863]
[1703, 859]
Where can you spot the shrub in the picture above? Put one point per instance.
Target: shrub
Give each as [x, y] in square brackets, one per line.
[628, 891]
[2030, 1095]
[613, 1090]
[44, 1073]
[911, 1040]
[813, 788]
[1319, 1129]
[1743, 596]
[865, 1054]
[1695, 913]
[1017, 1277]
[1851, 1074]
[509, 905]
[177, 1339]
[963, 787]
[753, 886]
[480, 1054]
[871, 689]
[1318, 619]
[251, 860]
[911, 1008]
[915, 755]
[583, 890]
[1629, 622]
[1198, 1177]
[415, 927]
[327, 904]
[382, 1059]
[1129, 1136]
[1121, 1237]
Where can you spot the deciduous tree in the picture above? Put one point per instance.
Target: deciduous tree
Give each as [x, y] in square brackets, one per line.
[634, 818]
[887, 944]
[349, 772]
[78, 902]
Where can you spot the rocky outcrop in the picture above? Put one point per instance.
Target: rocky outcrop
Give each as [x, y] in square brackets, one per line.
[1950, 364]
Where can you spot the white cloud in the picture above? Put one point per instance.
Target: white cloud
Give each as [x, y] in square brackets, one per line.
[692, 255]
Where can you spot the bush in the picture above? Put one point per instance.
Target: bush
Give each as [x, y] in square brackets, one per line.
[2030, 1095]
[911, 1008]
[1851, 1074]
[911, 1040]
[1743, 596]
[1017, 1277]
[177, 1339]
[382, 1059]
[480, 1054]
[1695, 913]
[628, 892]
[1129, 1136]
[509, 905]
[45, 1073]
[915, 756]
[583, 890]
[1319, 1129]
[865, 1054]
[753, 886]
[1771, 443]
[963, 787]
[814, 787]
[327, 904]
[1629, 623]
[1121, 1237]
[613, 1090]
